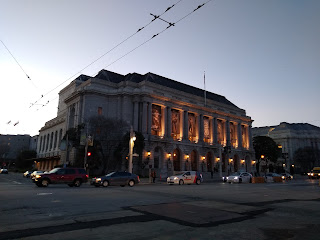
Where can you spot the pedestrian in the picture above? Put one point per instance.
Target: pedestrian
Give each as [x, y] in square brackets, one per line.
[153, 175]
[211, 174]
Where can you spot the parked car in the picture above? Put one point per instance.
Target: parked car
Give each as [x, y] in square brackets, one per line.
[238, 177]
[314, 173]
[27, 173]
[186, 177]
[286, 176]
[116, 178]
[34, 173]
[4, 171]
[71, 176]
[270, 177]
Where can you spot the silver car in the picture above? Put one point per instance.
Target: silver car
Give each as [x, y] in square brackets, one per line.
[186, 177]
[239, 177]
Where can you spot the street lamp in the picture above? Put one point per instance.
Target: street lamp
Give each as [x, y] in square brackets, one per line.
[131, 145]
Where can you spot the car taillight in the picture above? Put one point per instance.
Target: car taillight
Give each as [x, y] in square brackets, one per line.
[138, 179]
[87, 176]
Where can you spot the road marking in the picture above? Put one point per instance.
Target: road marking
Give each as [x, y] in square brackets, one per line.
[16, 182]
[42, 194]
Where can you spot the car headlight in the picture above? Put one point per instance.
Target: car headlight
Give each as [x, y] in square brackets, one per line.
[38, 176]
[98, 179]
[283, 177]
[308, 173]
[227, 178]
[175, 178]
[168, 179]
[236, 177]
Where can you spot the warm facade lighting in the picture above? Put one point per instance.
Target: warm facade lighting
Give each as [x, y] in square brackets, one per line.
[253, 162]
[149, 153]
[217, 159]
[262, 156]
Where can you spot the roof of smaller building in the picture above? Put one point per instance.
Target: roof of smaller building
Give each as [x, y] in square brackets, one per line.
[287, 126]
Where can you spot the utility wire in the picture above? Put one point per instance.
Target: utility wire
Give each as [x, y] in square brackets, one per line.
[18, 63]
[155, 35]
[140, 29]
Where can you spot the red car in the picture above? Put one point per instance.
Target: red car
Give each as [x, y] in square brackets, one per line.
[71, 176]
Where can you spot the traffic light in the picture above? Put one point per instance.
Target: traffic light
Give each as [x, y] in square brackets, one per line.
[89, 154]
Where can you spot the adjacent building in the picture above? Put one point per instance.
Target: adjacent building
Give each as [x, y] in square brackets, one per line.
[290, 137]
[12, 145]
[185, 128]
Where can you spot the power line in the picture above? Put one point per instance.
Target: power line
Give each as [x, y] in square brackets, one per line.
[139, 30]
[155, 35]
[18, 63]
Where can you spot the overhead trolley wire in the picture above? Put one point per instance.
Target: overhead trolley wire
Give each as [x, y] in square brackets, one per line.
[18, 63]
[155, 35]
[140, 29]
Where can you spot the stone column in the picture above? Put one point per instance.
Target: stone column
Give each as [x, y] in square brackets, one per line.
[185, 125]
[135, 121]
[149, 118]
[201, 128]
[239, 136]
[169, 122]
[198, 127]
[250, 137]
[164, 124]
[144, 117]
[119, 108]
[215, 130]
[228, 132]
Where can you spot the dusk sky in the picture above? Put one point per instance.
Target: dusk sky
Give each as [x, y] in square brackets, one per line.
[262, 55]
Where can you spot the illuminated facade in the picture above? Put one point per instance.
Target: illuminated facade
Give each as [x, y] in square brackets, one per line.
[290, 137]
[182, 131]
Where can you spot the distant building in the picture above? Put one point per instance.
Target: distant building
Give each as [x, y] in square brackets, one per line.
[290, 137]
[11, 146]
[182, 129]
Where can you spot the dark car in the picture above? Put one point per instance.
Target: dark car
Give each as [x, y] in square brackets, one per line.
[116, 178]
[71, 176]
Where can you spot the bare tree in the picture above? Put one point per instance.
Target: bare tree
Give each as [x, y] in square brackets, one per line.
[107, 135]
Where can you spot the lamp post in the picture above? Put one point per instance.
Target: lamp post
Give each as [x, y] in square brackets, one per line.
[187, 163]
[131, 145]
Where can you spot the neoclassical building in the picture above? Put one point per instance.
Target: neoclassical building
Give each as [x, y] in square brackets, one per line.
[290, 137]
[184, 127]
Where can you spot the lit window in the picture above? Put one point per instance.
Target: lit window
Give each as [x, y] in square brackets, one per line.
[99, 110]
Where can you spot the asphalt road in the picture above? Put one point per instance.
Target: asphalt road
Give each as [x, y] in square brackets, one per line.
[289, 210]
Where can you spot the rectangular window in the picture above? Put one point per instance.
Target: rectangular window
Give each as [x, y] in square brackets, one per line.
[221, 132]
[192, 127]
[244, 135]
[233, 135]
[99, 110]
[206, 129]
[175, 124]
[156, 120]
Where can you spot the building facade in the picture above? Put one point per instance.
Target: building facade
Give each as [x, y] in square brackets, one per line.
[11, 146]
[290, 137]
[184, 127]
